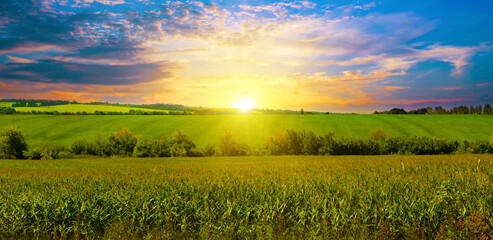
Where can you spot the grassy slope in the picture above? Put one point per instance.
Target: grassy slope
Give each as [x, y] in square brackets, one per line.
[77, 108]
[383, 197]
[250, 129]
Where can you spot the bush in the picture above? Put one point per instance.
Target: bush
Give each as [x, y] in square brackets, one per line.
[123, 142]
[278, 144]
[378, 135]
[477, 147]
[49, 152]
[229, 147]
[162, 147]
[101, 147]
[209, 150]
[181, 146]
[79, 147]
[419, 146]
[145, 148]
[12, 143]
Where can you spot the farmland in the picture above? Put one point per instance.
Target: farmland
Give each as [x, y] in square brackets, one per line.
[249, 197]
[249, 129]
[74, 108]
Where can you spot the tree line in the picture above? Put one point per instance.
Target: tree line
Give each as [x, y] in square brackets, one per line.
[9, 110]
[289, 142]
[37, 102]
[487, 109]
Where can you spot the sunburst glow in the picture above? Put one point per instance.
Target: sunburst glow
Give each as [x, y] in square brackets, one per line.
[244, 104]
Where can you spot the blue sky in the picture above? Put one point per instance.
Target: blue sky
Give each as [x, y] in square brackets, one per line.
[345, 56]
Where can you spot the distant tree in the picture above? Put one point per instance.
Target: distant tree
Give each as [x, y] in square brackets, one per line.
[487, 109]
[397, 111]
[302, 112]
[429, 110]
[479, 110]
[12, 143]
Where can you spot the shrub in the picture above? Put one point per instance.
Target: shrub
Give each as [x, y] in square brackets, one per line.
[162, 147]
[478, 147]
[278, 144]
[12, 143]
[311, 143]
[49, 152]
[145, 148]
[419, 146]
[102, 148]
[79, 147]
[378, 135]
[123, 142]
[229, 147]
[209, 150]
[181, 146]
[295, 142]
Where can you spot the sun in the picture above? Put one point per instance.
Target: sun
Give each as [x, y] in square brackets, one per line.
[244, 104]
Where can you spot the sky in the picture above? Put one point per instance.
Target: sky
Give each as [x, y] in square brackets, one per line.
[338, 56]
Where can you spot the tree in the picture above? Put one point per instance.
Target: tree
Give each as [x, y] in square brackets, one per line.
[302, 112]
[479, 109]
[439, 110]
[397, 111]
[429, 110]
[12, 143]
[487, 109]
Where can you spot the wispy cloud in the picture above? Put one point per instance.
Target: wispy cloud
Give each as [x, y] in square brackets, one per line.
[392, 88]
[450, 88]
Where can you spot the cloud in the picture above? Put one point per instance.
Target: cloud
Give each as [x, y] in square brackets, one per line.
[52, 71]
[282, 52]
[450, 88]
[20, 60]
[481, 84]
[392, 88]
[366, 6]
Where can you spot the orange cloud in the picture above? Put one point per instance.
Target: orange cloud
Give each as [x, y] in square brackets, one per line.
[392, 88]
[20, 60]
[450, 88]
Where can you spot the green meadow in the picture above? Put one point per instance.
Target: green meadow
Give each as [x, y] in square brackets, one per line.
[249, 129]
[74, 108]
[290, 197]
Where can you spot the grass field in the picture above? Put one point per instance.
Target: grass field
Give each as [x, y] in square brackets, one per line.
[250, 129]
[73, 108]
[380, 197]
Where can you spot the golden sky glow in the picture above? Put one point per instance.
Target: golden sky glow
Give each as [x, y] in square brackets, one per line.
[355, 56]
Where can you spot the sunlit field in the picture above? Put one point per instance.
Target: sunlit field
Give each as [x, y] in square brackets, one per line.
[360, 197]
[249, 129]
[74, 108]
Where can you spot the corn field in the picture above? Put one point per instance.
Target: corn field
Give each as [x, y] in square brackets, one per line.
[290, 197]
